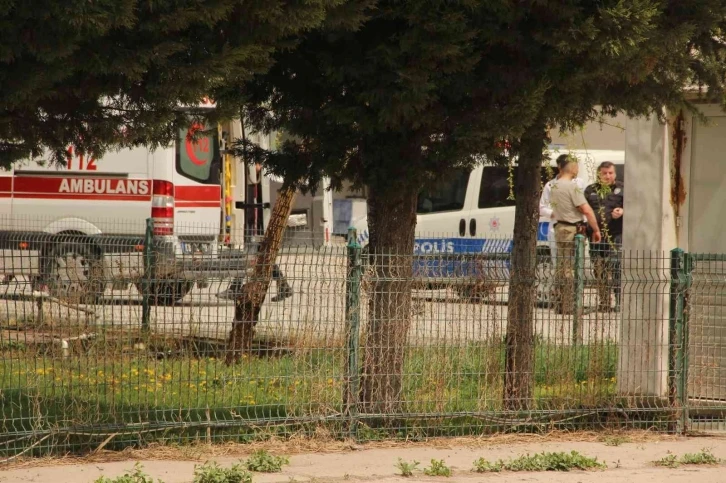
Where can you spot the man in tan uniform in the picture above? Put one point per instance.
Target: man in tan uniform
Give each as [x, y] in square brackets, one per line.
[568, 205]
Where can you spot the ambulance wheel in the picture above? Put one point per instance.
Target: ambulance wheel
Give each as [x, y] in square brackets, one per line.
[169, 292]
[75, 273]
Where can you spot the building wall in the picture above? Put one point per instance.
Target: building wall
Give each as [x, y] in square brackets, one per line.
[609, 135]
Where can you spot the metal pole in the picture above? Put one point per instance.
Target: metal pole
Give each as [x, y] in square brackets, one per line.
[681, 265]
[352, 318]
[579, 288]
[148, 274]
[687, 271]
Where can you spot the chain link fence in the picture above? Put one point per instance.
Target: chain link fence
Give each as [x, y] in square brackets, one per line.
[109, 342]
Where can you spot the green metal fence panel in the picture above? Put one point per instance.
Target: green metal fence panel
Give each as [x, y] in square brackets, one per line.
[706, 331]
[120, 340]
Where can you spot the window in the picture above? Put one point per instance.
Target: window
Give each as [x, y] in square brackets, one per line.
[494, 189]
[198, 159]
[620, 172]
[447, 196]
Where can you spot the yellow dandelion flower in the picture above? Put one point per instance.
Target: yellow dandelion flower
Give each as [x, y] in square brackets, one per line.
[40, 372]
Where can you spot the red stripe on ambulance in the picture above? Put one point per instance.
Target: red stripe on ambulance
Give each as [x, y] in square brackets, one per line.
[6, 186]
[82, 188]
[198, 196]
[111, 189]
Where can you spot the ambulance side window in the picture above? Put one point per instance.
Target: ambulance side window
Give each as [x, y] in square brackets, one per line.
[448, 195]
[198, 158]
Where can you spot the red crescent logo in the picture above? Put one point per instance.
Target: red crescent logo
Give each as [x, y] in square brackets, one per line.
[190, 145]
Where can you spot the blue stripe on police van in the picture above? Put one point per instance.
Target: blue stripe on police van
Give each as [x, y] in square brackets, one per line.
[461, 245]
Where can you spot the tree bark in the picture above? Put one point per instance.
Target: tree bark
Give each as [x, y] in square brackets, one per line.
[519, 365]
[248, 304]
[391, 222]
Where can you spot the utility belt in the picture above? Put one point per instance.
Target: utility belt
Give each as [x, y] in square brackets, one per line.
[581, 226]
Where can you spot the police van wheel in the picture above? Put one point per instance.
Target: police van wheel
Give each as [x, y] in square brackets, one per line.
[545, 275]
[75, 273]
[479, 292]
[168, 292]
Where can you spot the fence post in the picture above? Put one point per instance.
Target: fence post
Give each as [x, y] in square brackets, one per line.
[579, 288]
[683, 337]
[678, 336]
[352, 319]
[148, 254]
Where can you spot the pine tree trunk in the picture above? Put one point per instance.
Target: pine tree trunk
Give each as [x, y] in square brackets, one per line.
[391, 222]
[248, 304]
[518, 376]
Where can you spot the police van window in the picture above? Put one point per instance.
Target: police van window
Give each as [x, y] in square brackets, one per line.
[446, 196]
[494, 190]
[198, 158]
[620, 172]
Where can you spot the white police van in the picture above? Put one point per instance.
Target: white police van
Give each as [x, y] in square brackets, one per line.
[471, 212]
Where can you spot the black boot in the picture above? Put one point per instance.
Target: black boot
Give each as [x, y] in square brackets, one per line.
[233, 291]
[284, 290]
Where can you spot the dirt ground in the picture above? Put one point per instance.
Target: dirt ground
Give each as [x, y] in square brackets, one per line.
[629, 458]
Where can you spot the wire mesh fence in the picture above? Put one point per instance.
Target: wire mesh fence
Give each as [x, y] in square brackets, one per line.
[111, 341]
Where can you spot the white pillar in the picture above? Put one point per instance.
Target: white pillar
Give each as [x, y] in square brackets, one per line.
[649, 233]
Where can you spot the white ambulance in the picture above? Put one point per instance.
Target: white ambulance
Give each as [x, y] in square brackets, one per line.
[87, 220]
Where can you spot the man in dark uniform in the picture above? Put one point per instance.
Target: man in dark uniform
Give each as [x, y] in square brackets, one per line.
[606, 199]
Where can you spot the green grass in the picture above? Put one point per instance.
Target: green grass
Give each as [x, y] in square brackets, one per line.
[262, 461]
[540, 462]
[211, 472]
[137, 475]
[104, 389]
[406, 468]
[703, 457]
[437, 468]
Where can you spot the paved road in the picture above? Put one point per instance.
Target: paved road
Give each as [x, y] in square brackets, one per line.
[315, 313]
